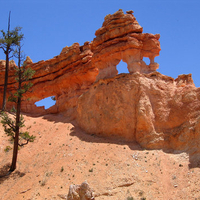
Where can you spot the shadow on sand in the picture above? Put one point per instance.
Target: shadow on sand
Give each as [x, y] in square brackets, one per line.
[5, 174]
[194, 159]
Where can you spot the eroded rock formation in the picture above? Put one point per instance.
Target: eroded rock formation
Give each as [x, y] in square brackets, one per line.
[121, 38]
[71, 73]
[144, 106]
[65, 76]
[154, 110]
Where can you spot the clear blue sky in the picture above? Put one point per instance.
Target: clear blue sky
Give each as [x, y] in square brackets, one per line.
[50, 25]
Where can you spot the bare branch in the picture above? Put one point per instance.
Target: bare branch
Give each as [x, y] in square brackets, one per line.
[11, 126]
[4, 50]
[21, 145]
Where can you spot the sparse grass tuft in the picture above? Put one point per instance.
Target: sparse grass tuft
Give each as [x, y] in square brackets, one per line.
[7, 149]
[62, 169]
[43, 182]
[91, 170]
[130, 198]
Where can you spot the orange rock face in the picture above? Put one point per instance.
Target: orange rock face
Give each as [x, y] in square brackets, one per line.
[155, 110]
[121, 38]
[71, 73]
[65, 76]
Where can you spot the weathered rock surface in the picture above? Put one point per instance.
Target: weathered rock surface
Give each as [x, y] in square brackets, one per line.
[65, 76]
[155, 110]
[80, 192]
[121, 38]
[71, 73]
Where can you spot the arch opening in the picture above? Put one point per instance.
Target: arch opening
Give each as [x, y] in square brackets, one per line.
[122, 67]
[146, 60]
[46, 102]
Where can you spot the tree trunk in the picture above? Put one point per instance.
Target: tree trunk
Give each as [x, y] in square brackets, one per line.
[5, 81]
[7, 68]
[15, 149]
[16, 141]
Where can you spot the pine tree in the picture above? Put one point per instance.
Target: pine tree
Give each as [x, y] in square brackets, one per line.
[8, 41]
[12, 126]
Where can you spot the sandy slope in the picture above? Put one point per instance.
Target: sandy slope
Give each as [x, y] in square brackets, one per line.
[62, 155]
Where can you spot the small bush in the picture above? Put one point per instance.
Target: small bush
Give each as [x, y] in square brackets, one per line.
[43, 182]
[62, 169]
[7, 149]
[91, 170]
[130, 198]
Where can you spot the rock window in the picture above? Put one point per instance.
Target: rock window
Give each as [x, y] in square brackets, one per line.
[146, 60]
[122, 67]
[46, 102]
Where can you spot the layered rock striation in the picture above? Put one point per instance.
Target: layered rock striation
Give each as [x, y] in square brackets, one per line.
[65, 76]
[71, 73]
[121, 38]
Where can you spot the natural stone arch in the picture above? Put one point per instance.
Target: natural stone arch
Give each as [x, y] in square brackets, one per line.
[107, 68]
[133, 59]
[72, 72]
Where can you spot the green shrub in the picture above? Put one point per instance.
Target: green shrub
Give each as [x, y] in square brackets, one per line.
[130, 198]
[7, 149]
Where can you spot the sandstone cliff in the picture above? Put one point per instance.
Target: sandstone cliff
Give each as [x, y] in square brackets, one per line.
[154, 110]
[144, 106]
[71, 73]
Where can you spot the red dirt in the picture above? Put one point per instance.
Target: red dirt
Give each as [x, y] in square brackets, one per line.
[62, 155]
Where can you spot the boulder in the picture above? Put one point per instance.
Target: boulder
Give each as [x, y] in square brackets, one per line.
[80, 192]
